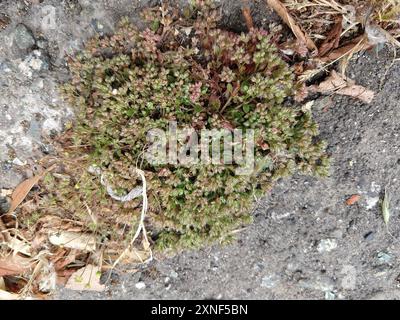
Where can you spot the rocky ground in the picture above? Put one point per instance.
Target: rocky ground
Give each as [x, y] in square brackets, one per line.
[305, 241]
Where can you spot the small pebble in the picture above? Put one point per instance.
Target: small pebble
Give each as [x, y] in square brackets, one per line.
[18, 162]
[320, 283]
[42, 43]
[369, 236]
[5, 204]
[384, 257]
[327, 245]
[140, 285]
[371, 202]
[329, 295]
[36, 61]
[23, 37]
[270, 281]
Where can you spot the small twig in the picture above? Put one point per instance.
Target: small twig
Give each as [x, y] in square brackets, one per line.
[141, 227]
[247, 14]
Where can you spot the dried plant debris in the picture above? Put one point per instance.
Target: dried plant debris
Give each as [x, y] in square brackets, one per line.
[20, 192]
[283, 12]
[337, 84]
[317, 17]
[338, 28]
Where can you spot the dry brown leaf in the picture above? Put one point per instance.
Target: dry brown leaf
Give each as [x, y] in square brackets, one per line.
[339, 85]
[62, 259]
[332, 40]
[14, 265]
[86, 278]
[356, 45]
[64, 275]
[19, 246]
[38, 240]
[54, 222]
[282, 11]
[73, 240]
[358, 92]
[22, 190]
[130, 257]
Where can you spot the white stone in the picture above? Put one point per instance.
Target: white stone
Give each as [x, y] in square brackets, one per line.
[371, 202]
[327, 245]
[140, 285]
[18, 162]
[270, 281]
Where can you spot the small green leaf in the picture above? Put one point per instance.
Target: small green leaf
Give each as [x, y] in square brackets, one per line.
[198, 108]
[130, 112]
[244, 87]
[155, 25]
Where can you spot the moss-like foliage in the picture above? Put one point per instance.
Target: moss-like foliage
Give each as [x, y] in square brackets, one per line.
[181, 68]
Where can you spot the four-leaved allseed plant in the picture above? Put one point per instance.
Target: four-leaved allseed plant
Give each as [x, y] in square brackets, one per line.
[184, 69]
